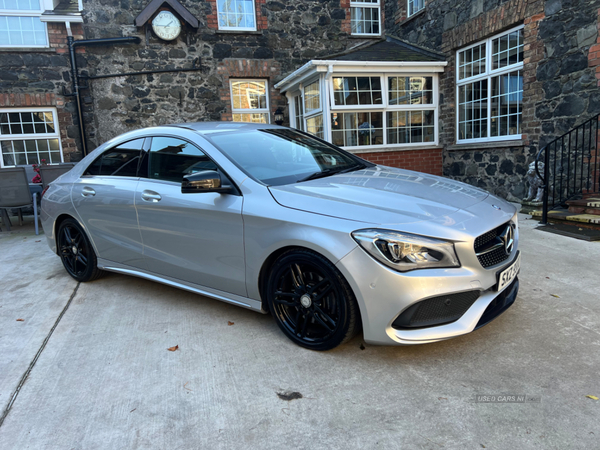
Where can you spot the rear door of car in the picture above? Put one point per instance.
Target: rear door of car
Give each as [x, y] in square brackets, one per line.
[104, 200]
[197, 238]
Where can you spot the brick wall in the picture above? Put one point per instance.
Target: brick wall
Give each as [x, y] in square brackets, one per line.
[428, 161]
[65, 118]
[253, 69]
[346, 27]
[594, 53]
[37, 79]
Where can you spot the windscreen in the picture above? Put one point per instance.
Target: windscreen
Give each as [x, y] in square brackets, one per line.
[283, 156]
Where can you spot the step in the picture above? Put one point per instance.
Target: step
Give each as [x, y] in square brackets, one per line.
[592, 202]
[587, 220]
[584, 210]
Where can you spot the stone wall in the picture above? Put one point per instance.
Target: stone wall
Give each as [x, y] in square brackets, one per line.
[560, 87]
[36, 77]
[289, 34]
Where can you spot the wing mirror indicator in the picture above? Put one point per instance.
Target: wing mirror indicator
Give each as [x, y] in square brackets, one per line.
[203, 181]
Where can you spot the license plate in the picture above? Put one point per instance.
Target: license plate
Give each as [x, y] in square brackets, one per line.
[509, 274]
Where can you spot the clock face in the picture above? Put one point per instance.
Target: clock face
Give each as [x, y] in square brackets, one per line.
[166, 25]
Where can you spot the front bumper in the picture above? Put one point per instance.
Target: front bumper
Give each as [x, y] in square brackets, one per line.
[383, 294]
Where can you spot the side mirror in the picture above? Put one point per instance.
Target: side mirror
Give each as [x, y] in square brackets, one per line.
[203, 181]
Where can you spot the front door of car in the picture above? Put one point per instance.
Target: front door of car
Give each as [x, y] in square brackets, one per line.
[197, 238]
[103, 198]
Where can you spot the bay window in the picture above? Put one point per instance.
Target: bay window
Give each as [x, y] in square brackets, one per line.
[490, 89]
[383, 110]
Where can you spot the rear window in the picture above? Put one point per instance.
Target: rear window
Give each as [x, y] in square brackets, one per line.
[121, 160]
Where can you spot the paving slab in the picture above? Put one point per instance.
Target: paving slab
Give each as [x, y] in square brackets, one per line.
[106, 378]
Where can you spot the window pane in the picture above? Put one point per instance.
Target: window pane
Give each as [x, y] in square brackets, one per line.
[410, 90]
[122, 160]
[299, 112]
[20, 5]
[506, 104]
[314, 126]
[471, 62]
[22, 31]
[249, 94]
[414, 6]
[472, 110]
[406, 127]
[312, 97]
[357, 128]
[357, 91]
[236, 14]
[364, 20]
[171, 159]
[507, 49]
[251, 118]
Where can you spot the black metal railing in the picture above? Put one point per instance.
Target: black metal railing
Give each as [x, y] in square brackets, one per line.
[570, 166]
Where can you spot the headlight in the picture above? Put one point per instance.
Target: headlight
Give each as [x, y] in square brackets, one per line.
[404, 252]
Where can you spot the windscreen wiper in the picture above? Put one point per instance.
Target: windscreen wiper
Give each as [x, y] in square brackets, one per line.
[328, 172]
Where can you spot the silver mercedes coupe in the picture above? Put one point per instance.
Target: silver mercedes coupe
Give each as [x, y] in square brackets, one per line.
[276, 220]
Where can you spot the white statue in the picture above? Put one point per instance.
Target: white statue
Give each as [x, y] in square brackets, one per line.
[536, 191]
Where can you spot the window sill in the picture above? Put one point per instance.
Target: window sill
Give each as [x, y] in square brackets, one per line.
[391, 148]
[486, 145]
[27, 50]
[417, 14]
[238, 32]
[366, 36]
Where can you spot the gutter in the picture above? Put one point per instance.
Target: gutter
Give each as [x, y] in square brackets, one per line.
[284, 84]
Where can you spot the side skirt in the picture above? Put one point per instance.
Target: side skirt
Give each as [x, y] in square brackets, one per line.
[227, 297]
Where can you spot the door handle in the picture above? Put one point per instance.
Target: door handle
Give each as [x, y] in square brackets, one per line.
[88, 192]
[151, 196]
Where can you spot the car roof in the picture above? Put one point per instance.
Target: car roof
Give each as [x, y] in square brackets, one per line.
[212, 127]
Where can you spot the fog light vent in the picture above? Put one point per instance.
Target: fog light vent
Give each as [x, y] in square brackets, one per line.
[436, 311]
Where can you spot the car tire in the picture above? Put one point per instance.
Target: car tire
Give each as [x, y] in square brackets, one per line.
[76, 251]
[311, 301]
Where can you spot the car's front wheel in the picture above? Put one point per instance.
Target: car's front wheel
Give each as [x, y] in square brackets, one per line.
[311, 301]
[76, 252]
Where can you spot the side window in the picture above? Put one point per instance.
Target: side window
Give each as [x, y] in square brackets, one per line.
[171, 158]
[118, 161]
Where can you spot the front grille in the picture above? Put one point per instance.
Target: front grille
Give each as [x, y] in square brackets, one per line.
[488, 240]
[436, 311]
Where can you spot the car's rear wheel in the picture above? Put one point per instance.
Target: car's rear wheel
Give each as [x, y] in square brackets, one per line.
[76, 252]
[311, 301]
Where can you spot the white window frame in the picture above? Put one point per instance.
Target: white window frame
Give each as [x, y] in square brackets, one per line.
[224, 28]
[361, 4]
[314, 112]
[250, 111]
[412, 2]
[27, 13]
[487, 75]
[385, 107]
[34, 136]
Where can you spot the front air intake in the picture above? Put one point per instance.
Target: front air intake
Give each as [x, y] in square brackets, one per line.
[436, 311]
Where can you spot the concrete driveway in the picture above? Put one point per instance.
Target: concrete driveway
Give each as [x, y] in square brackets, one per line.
[91, 368]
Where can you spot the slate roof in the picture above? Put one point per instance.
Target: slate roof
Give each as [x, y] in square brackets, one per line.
[388, 49]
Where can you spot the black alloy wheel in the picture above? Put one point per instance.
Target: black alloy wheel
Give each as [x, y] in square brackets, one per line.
[76, 252]
[311, 301]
